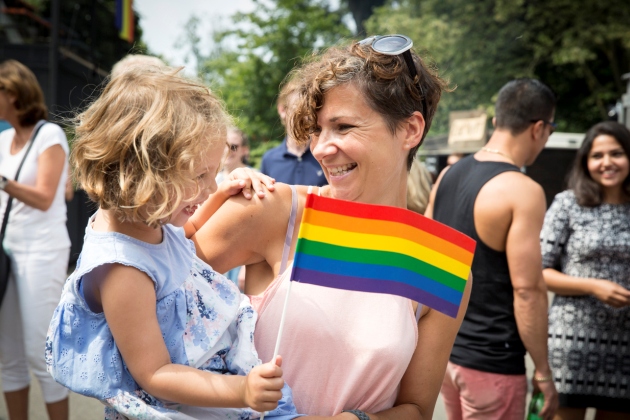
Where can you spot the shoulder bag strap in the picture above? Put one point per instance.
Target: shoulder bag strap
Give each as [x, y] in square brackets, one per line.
[5, 220]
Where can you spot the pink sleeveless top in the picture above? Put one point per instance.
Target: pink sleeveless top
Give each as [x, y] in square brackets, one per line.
[340, 349]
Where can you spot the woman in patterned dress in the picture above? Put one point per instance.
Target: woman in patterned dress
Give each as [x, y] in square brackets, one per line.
[586, 263]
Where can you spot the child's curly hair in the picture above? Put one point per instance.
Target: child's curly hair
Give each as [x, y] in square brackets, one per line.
[384, 81]
[138, 145]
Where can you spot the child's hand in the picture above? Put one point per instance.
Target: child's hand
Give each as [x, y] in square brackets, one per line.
[263, 386]
[246, 180]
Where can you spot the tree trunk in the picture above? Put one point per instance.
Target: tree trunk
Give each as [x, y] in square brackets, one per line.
[361, 10]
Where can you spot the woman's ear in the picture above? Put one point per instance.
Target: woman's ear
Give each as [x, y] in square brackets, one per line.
[414, 130]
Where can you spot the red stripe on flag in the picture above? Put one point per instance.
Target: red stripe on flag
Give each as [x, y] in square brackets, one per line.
[392, 214]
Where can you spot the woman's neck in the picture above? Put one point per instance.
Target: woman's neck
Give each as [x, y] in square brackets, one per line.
[22, 135]
[106, 221]
[615, 195]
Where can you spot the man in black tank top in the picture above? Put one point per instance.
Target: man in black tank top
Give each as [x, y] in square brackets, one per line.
[487, 197]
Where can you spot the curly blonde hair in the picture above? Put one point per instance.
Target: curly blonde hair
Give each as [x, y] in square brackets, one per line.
[138, 145]
[384, 81]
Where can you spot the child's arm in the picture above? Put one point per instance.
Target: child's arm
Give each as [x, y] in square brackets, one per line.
[240, 180]
[128, 299]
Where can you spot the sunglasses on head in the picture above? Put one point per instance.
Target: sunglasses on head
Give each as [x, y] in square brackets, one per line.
[397, 45]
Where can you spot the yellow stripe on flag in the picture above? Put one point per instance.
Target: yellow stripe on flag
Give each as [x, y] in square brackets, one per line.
[384, 243]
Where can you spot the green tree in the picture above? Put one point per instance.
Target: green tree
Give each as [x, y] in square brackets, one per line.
[580, 48]
[248, 63]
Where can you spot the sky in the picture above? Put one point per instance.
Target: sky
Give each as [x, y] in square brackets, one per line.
[163, 22]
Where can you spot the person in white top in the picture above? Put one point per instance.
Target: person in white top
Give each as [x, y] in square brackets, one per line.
[36, 238]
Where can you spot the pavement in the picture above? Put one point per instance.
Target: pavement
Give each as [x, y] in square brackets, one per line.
[84, 408]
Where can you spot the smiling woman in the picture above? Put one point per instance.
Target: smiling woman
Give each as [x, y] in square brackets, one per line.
[365, 113]
[586, 254]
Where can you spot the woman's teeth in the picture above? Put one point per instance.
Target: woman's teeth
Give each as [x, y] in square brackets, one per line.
[343, 169]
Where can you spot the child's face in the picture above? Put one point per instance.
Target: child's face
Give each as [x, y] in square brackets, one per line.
[206, 172]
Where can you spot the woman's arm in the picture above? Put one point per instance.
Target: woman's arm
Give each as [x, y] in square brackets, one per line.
[243, 231]
[50, 166]
[128, 300]
[420, 386]
[240, 180]
[607, 291]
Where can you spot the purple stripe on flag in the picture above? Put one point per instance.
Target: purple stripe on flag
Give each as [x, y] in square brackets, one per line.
[362, 284]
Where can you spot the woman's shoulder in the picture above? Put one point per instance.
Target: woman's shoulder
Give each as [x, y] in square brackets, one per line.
[51, 134]
[272, 205]
[566, 198]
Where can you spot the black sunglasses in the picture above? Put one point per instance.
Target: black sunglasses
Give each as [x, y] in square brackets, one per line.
[397, 45]
[553, 125]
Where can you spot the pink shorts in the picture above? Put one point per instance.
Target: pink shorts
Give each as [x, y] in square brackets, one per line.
[472, 394]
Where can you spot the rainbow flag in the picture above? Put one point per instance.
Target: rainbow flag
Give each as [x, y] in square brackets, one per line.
[125, 20]
[381, 249]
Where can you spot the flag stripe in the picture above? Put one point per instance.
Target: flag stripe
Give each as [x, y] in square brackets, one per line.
[384, 258]
[126, 20]
[328, 266]
[119, 14]
[375, 286]
[393, 214]
[388, 228]
[383, 243]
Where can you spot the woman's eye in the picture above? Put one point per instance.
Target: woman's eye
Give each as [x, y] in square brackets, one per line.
[344, 127]
[202, 176]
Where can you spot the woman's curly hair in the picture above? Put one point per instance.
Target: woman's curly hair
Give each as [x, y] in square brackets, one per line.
[138, 145]
[384, 81]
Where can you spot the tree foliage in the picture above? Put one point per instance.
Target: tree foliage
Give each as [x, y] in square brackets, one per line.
[249, 63]
[579, 48]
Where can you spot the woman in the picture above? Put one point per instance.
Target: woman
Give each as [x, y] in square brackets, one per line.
[586, 259]
[236, 153]
[36, 238]
[365, 113]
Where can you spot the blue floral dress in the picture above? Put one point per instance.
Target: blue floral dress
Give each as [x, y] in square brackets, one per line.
[205, 321]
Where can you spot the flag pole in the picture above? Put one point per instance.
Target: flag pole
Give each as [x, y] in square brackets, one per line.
[280, 329]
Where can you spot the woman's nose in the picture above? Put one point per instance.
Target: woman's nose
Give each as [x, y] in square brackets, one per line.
[322, 145]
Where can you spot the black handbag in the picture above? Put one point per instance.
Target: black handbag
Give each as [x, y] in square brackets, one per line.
[5, 261]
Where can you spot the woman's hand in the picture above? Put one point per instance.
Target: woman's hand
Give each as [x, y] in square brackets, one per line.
[245, 180]
[263, 386]
[610, 293]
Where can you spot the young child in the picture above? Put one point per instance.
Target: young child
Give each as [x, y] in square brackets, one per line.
[143, 324]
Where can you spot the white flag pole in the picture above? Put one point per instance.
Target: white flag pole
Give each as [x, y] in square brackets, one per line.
[280, 329]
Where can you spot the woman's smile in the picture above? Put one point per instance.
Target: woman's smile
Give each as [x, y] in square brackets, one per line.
[362, 158]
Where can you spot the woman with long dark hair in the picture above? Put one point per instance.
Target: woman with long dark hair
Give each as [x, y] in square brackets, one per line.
[586, 262]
